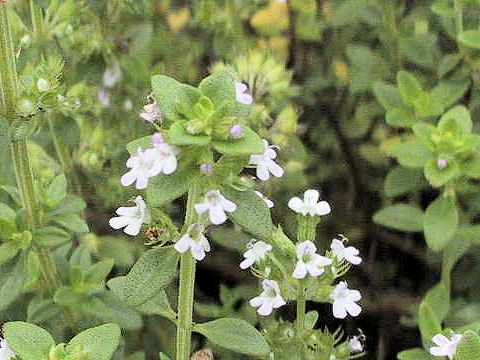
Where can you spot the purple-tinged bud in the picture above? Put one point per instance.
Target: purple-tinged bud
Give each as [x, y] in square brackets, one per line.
[157, 138]
[236, 131]
[206, 168]
[442, 163]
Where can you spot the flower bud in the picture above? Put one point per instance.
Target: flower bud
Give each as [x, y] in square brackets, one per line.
[157, 138]
[206, 168]
[442, 163]
[236, 131]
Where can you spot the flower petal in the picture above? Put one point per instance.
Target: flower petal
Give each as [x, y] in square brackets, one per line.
[296, 204]
[311, 196]
[300, 270]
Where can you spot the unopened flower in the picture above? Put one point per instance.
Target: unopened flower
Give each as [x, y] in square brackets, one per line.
[309, 205]
[350, 253]
[216, 205]
[143, 165]
[269, 299]
[131, 218]
[242, 97]
[236, 131]
[267, 201]
[194, 240]
[255, 254]
[112, 75]
[265, 163]
[344, 301]
[128, 105]
[442, 163]
[445, 347]
[151, 112]
[206, 168]
[5, 352]
[309, 262]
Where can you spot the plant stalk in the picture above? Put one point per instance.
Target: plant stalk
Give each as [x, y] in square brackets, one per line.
[187, 284]
[301, 309]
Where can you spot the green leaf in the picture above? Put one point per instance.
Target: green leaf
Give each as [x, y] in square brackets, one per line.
[450, 92]
[186, 98]
[456, 248]
[438, 177]
[66, 296]
[413, 354]
[57, 190]
[402, 180]
[40, 310]
[7, 212]
[469, 346]
[157, 305]
[99, 271]
[153, 272]
[461, 115]
[50, 236]
[7, 221]
[428, 322]
[71, 204]
[163, 189]
[447, 64]
[470, 38]
[252, 214]
[143, 143]
[219, 87]
[398, 117]
[99, 342]
[387, 95]
[409, 87]
[249, 143]
[8, 251]
[12, 287]
[28, 341]
[177, 135]
[311, 319]
[425, 131]
[427, 105]
[234, 334]
[401, 217]
[165, 89]
[72, 222]
[438, 298]
[440, 222]
[412, 153]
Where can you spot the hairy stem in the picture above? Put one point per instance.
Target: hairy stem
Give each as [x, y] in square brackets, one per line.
[187, 284]
[301, 309]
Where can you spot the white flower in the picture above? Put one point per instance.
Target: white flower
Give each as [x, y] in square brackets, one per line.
[265, 163]
[309, 262]
[216, 205]
[269, 299]
[151, 112]
[242, 98]
[350, 254]
[5, 352]
[269, 202]
[43, 85]
[104, 97]
[143, 165]
[255, 254]
[195, 241]
[309, 205]
[344, 301]
[355, 345]
[131, 218]
[112, 75]
[445, 346]
[128, 105]
[166, 156]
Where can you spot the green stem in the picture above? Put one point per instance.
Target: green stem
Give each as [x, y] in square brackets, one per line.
[187, 284]
[37, 19]
[301, 309]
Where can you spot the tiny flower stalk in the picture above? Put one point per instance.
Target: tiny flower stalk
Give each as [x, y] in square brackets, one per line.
[187, 283]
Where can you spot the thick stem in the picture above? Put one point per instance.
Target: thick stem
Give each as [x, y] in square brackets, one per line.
[187, 284]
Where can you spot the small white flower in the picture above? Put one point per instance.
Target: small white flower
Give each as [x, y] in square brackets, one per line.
[265, 163]
[344, 301]
[242, 97]
[350, 254]
[143, 165]
[269, 299]
[104, 97]
[151, 112]
[255, 254]
[5, 352]
[309, 205]
[355, 345]
[195, 241]
[166, 157]
[43, 85]
[309, 262]
[446, 347]
[112, 75]
[269, 202]
[131, 218]
[216, 205]
[128, 105]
